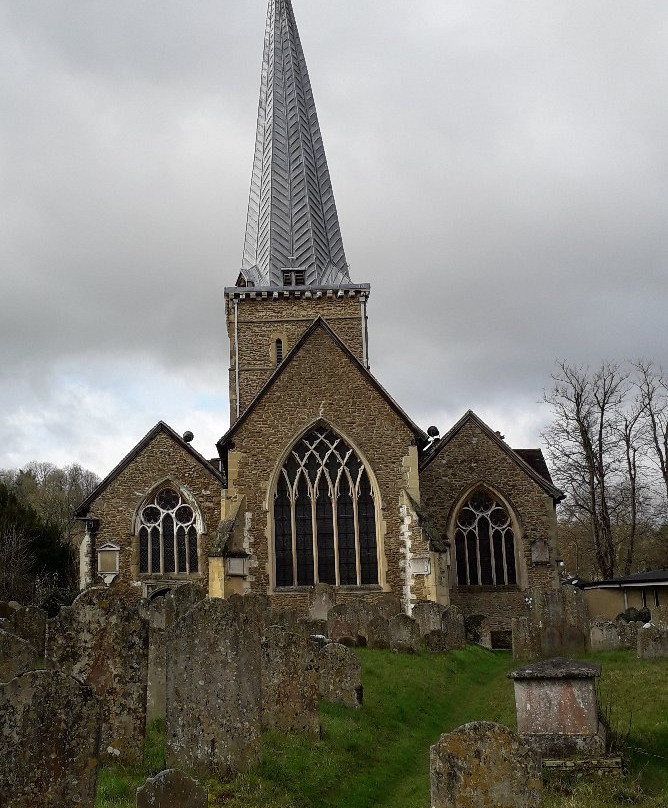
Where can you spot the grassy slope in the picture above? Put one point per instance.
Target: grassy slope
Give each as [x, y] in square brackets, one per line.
[379, 755]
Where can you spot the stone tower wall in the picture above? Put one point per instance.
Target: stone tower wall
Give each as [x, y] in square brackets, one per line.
[262, 318]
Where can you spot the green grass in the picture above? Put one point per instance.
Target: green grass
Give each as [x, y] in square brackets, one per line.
[117, 785]
[379, 755]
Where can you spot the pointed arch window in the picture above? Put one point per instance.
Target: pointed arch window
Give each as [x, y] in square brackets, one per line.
[484, 543]
[167, 535]
[324, 516]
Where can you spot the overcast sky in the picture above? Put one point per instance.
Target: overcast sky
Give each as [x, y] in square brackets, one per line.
[500, 170]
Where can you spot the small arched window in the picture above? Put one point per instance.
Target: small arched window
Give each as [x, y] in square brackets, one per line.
[167, 535]
[279, 351]
[484, 543]
[324, 516]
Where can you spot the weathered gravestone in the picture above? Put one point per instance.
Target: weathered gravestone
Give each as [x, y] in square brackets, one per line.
[428, 615]
[340, 676]
[604, 636]
[557, 708]
[172, 789]
[27, 622]
[321, 599]
[454, 627]
[289, 682]
[214, 692]
[102, 640]
[557, 625]
[652, 642]
[49, 742]
[378, 632]
[478, 630]
[404, 634]
[347, 623]
[16, 656]
[162, 612]
[386, 605]
[484, 765]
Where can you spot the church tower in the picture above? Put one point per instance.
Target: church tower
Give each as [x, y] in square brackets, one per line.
[294, 266]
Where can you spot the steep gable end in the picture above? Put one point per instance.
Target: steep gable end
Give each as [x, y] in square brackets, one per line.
[161, 428]
[533, 469]
[320, 326]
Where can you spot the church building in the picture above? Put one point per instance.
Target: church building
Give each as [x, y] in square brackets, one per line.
[321, 478]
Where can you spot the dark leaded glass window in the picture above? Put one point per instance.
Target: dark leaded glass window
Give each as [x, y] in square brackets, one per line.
[167, 535]
[324, 515]
[484, 543]
[283, 528]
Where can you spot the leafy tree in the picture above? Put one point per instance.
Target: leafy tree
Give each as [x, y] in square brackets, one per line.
[31, 551]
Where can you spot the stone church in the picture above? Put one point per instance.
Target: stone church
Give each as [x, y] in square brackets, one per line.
[321, 478]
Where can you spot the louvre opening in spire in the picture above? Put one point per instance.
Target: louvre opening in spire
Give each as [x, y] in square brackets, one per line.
[292, 231]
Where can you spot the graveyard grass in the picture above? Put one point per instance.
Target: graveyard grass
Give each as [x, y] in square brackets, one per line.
[379, 755]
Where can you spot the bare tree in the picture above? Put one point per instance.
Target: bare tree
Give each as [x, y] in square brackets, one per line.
[584, 443]
[653, 386]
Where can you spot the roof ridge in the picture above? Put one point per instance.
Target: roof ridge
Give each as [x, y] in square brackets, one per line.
[320, 322]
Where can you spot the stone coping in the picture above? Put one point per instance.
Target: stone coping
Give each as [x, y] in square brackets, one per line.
[557, 668]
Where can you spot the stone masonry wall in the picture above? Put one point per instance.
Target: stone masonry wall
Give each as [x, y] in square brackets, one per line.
[322, 383]
[470, 458]
[262, 321]
[116, 506]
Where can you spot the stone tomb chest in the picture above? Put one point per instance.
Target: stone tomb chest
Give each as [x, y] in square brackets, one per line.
[557, 708]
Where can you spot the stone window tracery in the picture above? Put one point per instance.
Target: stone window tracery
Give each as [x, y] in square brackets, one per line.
[167, 535]
[324, 515]
[484, 543]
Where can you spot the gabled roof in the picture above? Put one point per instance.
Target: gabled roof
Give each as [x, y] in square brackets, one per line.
[535, 458]
[543, 481]
[319, 323]
[161, 426]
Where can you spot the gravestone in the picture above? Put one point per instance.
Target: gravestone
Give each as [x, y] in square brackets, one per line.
[214, 692]
[49, 742]
[454, 628]
[102, 640]
[652, 642]
[387, 605]
[347, 622]
[557, 708]
[162, 612]
[27, 622]
[340, 676]
[289, 682]
[172, 789]
[312, 628]
[404, 634]
[321, 599]
[428, 615]
[16, 656]
[604, 636]
[484, 765]
[478, 630]
[156, 614]
[378, 632]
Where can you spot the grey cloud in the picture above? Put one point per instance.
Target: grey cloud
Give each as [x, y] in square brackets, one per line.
[500, 173]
